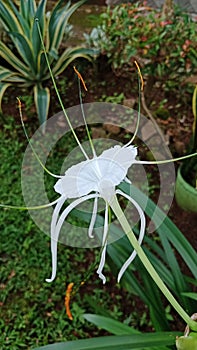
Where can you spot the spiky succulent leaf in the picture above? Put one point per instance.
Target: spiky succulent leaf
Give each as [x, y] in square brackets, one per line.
[12, 60]
[68, 56]
[28, 66]
[42, 100]
[28, 9]
[58, 22]
[8, 19]
[40, 15]
[3, 87]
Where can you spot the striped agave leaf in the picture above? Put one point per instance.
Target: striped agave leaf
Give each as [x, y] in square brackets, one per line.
[24, 56]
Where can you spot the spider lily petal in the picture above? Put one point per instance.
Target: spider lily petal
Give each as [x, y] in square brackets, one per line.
[56, 212]
[83, 178]
[53, 243]
[104, 244]
[93, 218]
[124, 156]
[141, 235]
[58, 226]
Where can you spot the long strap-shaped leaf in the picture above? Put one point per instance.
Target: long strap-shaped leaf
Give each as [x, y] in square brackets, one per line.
[128, 342]
[114, 327]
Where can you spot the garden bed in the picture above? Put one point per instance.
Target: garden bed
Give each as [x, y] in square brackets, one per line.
[33, 313]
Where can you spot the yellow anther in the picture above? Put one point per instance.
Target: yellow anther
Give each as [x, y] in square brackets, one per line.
[67, 300]
[80, 77]
[140, 75]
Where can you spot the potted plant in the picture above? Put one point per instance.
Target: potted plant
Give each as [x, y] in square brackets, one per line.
[186, 183]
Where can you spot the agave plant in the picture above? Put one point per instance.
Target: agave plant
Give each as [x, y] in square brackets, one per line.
[23, 62]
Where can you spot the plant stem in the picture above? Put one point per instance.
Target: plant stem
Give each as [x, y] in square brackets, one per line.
[149, 267]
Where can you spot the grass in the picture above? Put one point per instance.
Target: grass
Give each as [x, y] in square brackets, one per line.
[32, 310]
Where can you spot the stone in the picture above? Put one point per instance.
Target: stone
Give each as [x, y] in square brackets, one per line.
[112, 129]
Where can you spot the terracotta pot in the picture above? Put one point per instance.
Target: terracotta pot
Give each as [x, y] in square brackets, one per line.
[185, 194]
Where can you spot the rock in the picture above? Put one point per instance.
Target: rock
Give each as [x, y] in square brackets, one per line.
[129, 102]
[98, 133]
[179, 147]
[112, 129]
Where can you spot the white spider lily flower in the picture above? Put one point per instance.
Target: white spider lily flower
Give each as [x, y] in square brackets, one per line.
[95, 178]
[111, 166]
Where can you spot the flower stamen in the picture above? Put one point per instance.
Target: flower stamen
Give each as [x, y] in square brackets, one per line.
[67, 300]
[81, 78]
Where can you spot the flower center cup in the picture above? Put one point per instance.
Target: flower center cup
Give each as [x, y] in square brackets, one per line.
[106, 189]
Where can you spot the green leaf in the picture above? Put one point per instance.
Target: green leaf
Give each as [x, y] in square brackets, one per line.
[9, 20]
[8, 76]
[28, 9]
[194, 127]
[114, 327]
[42, 100]
[5, 73]
[21, 21]
[11, 58]
[68, 56]
[190, 295]
[110, 325]
[179, 281]
[3, 87]
[127, 342]
[58, 22]
[28, 63]
[40, 15]
[25, 50]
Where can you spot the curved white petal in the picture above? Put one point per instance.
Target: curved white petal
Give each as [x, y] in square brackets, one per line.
[93, 218]
[141, 235]
[58, 226]
[104, 245]
[53, 242]
[56, 212]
